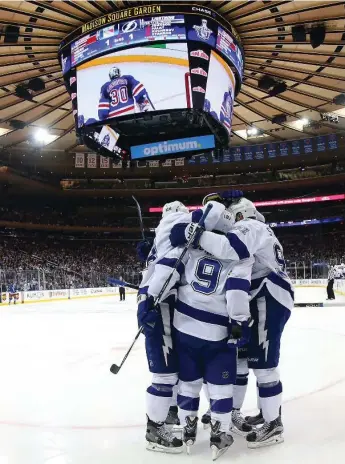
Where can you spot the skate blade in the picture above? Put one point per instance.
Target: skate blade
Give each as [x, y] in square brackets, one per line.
[271, 441]
[216, 452]
[163, 449]
[238, 431]
[189, 445]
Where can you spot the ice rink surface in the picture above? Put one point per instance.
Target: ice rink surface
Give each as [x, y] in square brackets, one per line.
[59, 404]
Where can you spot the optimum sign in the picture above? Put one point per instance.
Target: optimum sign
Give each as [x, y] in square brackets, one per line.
[151, 150]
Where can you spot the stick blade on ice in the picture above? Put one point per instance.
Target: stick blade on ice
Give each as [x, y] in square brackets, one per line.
[114, 369]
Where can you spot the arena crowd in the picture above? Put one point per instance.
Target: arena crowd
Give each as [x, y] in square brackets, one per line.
[36, 263]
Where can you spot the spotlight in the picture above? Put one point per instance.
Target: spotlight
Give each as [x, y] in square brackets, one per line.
[17, 124]
[41, 135]
[266, 82]
[277, 89]
[299, 34]
[252, 131]
[339, 99]
[317, 35]
[22, 92]
[279, 119]
[36, 84]
[11, 34]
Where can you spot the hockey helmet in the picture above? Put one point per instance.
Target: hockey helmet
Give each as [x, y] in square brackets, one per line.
[243, 209]
[212, 197]
[174, 207]
[114, 73]
[260, 217]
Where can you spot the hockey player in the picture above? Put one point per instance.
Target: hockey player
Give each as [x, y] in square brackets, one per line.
[157, 323]
[226, 109]
[12, 293]
[208, 301]
[120, 95]
[271, 303]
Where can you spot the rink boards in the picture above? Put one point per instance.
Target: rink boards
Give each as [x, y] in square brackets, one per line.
[73, 293]
[312, 292]
[45, 296]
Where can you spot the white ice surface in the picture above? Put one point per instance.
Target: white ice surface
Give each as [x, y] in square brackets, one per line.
[59, 404]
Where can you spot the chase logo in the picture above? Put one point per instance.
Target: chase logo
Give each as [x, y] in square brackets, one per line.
[173, 146]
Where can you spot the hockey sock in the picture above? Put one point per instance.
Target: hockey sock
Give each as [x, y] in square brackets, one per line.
[174, 396]
[206, 393]
[158, 401]
[258, 396]
[221, 403]
[188, 406]
[270, 400]
[188, 399]
[240, 389]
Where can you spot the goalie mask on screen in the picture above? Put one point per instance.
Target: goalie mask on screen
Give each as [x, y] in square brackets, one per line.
[114, 73]
[243, 209]
[174, 207]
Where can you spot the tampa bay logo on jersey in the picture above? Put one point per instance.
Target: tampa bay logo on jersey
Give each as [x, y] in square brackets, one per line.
[203, 32]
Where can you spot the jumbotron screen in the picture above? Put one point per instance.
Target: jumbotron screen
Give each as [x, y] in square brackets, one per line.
[179, 57]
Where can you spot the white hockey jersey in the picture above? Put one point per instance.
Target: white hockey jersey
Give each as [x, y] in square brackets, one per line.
[163, 256]
[252, 238]
[211, 292]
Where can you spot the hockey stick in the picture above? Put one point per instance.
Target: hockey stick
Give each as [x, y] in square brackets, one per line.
[149, 99]
[140, 217]
[116, 368]
[122, 283]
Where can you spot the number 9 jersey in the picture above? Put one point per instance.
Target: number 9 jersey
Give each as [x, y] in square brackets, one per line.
[120, 95]
[212, 292]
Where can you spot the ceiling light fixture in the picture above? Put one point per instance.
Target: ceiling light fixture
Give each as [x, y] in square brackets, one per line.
[41, 135]
[252, 131]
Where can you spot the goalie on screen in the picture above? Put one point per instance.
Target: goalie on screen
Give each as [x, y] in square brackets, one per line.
[120, 95]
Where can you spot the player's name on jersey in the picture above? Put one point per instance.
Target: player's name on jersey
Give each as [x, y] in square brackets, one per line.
[118, 15]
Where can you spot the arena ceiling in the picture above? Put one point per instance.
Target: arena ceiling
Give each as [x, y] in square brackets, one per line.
[313, 76]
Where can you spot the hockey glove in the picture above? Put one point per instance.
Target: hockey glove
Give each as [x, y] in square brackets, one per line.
[143, 249]
[229, 196]
[195, 231]
[239, 333]
[148, 315]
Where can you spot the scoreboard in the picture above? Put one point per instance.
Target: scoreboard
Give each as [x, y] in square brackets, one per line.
[176, 23]
[128, 33]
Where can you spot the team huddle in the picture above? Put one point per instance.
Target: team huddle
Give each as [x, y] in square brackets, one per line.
[222, 313]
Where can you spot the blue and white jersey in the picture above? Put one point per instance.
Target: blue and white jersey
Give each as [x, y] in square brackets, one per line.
[252, 238]
[163, 255]
[211, 292]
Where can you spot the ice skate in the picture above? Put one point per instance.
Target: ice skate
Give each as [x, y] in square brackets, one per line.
[172, 417]
[189, 432]
[160, 438]
[206, 419]
[255, 420]
[219, 441]
[271, 433]
[239, 424]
